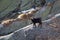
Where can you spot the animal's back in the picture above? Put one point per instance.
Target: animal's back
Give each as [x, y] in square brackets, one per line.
[36, 20]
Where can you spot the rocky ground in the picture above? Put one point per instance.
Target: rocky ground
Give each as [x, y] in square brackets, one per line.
[50, 29]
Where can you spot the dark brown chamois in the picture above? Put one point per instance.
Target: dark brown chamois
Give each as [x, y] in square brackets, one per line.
[37, 20]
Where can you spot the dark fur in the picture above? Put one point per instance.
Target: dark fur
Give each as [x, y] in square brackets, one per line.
[36, 20]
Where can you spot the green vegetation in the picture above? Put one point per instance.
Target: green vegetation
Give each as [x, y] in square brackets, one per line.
[7, 5]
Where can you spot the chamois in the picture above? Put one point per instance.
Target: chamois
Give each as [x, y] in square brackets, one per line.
[36, 20]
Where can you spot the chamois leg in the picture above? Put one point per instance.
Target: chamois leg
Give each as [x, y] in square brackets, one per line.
[40, 25]
[34, 24]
